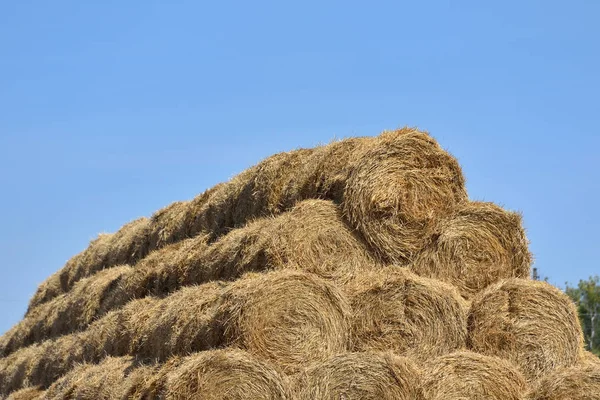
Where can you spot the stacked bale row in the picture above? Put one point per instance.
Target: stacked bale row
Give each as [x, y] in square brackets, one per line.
[393, 188]
[388, 284]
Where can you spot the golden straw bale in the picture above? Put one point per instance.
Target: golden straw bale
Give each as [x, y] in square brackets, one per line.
[162, 271]
[466, 375]
[179, 324]
[271, 182]
[574, 383]
[28, 393]
[361, 376]
[394, 309]
[113, 378]
[286, 317]
[225, 374]
[530, 323]
[398, 190]
[478, 245]
[167, 225]
[311, 236]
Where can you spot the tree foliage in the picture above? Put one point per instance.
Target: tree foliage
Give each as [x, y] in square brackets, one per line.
[587, 297]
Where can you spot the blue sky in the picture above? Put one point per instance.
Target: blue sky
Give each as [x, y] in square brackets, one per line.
[111, 110]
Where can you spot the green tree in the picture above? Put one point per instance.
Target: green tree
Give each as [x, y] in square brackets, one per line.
[587, 297]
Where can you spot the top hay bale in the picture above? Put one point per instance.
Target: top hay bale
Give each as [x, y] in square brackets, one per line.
[530, 323]
[478, 245]
[393, 189]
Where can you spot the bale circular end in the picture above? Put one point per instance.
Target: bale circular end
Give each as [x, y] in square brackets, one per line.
[466, 375]
[398, 189]
[530, 323]
[393, 309]
[575, 383]
[478, 245]
[225, 374]
[287, 317]
[361, 376]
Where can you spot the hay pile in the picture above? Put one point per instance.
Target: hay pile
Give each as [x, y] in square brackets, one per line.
[354, 270]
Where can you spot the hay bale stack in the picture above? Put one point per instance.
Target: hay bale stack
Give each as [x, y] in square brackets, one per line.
[393, 309]
[126, 246]
[574, 383]
[89, 299]
[224, 374]
[397, 186]
[478, 245]
[286, 317]
[398, 190]
[311, 237]
[530, 323]
[361, 376]
[113, 378]
[466, 375]
[29, 393]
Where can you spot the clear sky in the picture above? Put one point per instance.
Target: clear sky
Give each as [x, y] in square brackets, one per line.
[111, 110]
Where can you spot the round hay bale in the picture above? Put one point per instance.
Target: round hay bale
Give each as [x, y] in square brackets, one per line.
[113, 378]
[167, 225]
[272, 180]
[29, 393]
[332, 164]
[286, 317]
[179, 324]
[465, 375]
[89, 299]
[225, 374]
[574, 383]
[162, 271]
[312, 237]
[361, 376]
[393, 309]
[398, 190]
[530, 323]
[478, 245]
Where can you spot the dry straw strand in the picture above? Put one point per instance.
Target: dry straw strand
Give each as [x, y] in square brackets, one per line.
[530, 323]
[478, 245]
[466, 375]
